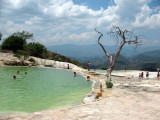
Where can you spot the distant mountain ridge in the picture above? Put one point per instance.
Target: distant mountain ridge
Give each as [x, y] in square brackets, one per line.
[86, 52]
[147, 57]
[144, 61]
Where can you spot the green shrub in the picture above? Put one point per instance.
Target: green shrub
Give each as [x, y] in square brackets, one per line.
[36, 49]
[13, 43]
[109, 84]
[20, 53]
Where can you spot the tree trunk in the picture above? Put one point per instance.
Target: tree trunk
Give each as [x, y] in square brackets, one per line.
[113, 62]
[109, 71]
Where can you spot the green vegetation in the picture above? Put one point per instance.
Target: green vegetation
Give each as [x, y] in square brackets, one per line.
[109, 84]
[37, 49]
[24, 35]
[17, 42]
[13, 43]
[20, 53]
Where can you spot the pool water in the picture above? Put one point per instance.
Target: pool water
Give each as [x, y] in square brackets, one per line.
[39, 89]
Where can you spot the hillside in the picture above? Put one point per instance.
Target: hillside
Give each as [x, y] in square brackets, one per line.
[102, 62]
[144, 61]
[87, 52]
[17, 44]
[146, 57]
[59, 57]
[48, 55]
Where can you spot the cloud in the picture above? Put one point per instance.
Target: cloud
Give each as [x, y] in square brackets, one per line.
[62, 21]
[150, 22]
[127, 10]
[65, 38]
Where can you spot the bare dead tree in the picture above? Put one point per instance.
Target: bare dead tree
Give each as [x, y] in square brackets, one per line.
[122, 37]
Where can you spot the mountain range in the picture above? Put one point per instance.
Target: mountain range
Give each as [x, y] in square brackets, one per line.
[141, 58]
[94, 50]
[145, 61]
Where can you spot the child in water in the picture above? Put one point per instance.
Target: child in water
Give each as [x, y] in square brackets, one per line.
[75, 74]
[88, 77]
[14, 77]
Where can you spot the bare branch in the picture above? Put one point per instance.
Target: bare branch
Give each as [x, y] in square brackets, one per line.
[106, 53]
[117, 55]
[136, 41]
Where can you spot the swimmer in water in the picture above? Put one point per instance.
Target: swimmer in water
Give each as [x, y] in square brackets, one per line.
[75, 74]
[88, 77]
[14, 77]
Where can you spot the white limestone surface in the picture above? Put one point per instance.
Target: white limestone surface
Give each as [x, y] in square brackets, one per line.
[55, 64]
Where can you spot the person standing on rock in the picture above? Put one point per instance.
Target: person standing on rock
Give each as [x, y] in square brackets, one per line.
[125, 68]
[158, 75]
[142, 75]
[68, 66]
[147, 74]
[88, 66]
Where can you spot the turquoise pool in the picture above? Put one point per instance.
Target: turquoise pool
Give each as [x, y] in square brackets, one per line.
[39, 89]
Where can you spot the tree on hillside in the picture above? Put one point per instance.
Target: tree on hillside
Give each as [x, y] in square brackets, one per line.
[37, 49]
[16, 41]
[24, 35]
[122, 37]
[13, 43]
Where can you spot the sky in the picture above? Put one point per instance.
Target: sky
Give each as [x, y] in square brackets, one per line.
[57, 22]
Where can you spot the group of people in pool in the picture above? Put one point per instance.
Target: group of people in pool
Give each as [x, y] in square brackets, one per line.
[68, 67]
[14, 76]
[75, 74]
